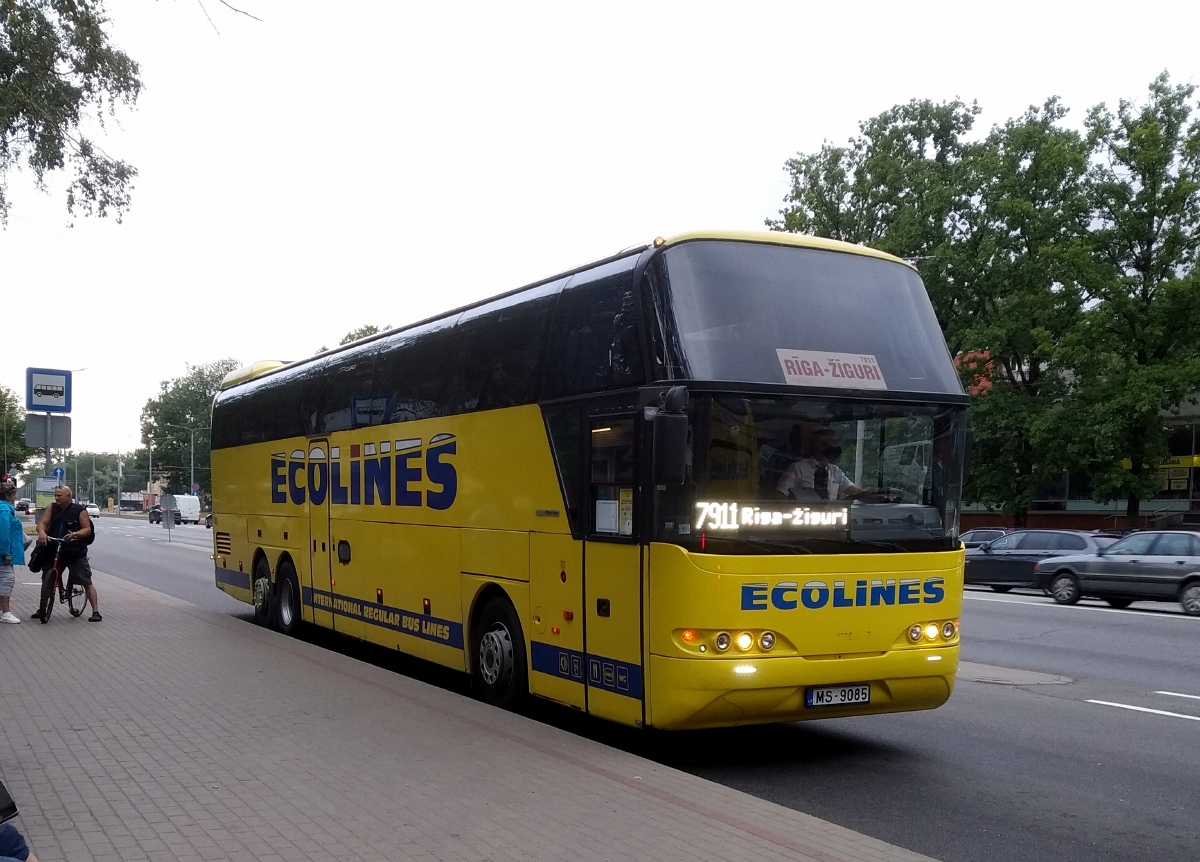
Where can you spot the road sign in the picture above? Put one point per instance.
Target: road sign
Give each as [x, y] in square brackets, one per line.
[48, 390]
[168, 511]
[46, 484]
[59, 473]
[60, 431]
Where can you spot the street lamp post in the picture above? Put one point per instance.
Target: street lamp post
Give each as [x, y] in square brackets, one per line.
[192, 444]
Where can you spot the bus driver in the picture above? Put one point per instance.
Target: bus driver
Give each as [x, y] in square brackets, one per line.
[815, 477]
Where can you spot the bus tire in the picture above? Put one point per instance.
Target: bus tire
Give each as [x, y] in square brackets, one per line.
[287, 599]
[499, 674]
[261, 592]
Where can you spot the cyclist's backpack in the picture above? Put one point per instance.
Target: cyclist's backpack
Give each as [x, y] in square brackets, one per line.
[79, 509]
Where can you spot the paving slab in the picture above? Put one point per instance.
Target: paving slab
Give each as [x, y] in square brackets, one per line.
[172, 732]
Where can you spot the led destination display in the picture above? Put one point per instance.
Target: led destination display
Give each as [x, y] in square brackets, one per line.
[732, 516]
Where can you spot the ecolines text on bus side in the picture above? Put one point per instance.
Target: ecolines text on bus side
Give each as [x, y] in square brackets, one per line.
[375, 474]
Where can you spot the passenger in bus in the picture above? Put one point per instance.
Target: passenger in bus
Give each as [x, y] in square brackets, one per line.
[816, 477]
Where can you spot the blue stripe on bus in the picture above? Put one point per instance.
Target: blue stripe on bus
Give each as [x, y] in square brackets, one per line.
[445, 632]
[230, 578]
[602, 673]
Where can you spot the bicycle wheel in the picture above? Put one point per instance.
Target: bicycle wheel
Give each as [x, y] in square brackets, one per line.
[77, 599]
[48, 605]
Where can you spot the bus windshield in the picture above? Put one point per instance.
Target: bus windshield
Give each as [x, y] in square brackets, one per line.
[752, 311]
[804, 475]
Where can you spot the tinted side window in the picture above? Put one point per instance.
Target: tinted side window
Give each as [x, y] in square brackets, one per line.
[504, 347]
[339, 389]
[1174, 545]
[415, 376]
[265, 409]
[563, 425]
[1039, 541]
[1134, 545]
[595, 344]
[1071, 542]
[1007, 543]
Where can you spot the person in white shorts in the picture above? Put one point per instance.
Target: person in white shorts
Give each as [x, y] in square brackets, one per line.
[12, 548]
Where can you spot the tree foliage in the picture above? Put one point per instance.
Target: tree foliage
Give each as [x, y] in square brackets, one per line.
[355, 334]
[1136, 356]
[1061, 265]
[12, 433]
[59, 79]
[180, 415]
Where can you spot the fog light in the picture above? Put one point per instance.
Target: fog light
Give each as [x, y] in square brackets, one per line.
[914, 633]
[722, 642]
[767, 640]
[744, 641]
[947, 630]
[931, 631]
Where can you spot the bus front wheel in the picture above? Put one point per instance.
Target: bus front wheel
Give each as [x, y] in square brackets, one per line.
[499, 667]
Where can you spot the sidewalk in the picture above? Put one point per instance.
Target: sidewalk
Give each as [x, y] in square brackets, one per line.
[170, 732]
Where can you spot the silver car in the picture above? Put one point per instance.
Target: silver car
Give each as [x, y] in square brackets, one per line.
[1155, 565]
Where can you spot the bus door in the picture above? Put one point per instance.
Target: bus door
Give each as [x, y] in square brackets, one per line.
[612, 573]
[318, 591]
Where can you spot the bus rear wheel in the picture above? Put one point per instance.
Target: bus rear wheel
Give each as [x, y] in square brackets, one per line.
[287, 600]
[262, 593]
[499, 668]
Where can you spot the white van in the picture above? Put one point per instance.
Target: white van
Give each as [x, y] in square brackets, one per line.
[189, 508]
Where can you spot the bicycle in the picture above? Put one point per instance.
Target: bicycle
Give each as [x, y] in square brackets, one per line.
[73, 595]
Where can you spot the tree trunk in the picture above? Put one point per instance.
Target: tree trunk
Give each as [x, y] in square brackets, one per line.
[1020, 518]
[1131, 512]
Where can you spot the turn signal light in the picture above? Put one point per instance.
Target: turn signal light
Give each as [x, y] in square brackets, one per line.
[689, 636]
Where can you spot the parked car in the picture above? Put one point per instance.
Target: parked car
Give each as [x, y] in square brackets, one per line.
[155, 513]
[1010, 560]
[1154, 565]
[93, 510]
[24, 505]
[980, 535]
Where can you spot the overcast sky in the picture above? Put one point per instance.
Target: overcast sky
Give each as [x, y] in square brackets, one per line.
[351, 163]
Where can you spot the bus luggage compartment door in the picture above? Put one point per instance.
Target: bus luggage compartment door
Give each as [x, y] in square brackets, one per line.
[556, 618]
[614, 640]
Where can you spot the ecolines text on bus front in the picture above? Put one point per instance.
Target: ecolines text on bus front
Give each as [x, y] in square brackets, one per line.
[373, 475]
[815, 595]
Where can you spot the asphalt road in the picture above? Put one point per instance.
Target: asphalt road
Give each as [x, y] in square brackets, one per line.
[1092, 757]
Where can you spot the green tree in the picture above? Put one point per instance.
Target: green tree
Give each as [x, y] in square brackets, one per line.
[1135, 356]
[12, 431]
[59, 78]
[1023, 254]
[355, 334]
[899, 186]
[179, 417]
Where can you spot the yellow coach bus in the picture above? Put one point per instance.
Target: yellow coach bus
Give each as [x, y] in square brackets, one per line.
[712, 481]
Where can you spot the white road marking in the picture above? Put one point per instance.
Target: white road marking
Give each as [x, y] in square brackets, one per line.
[1177, 694]
[1073, 608]
[1146, 709]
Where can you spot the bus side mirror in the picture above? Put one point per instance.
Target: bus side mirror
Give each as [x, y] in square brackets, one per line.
[671, 438]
